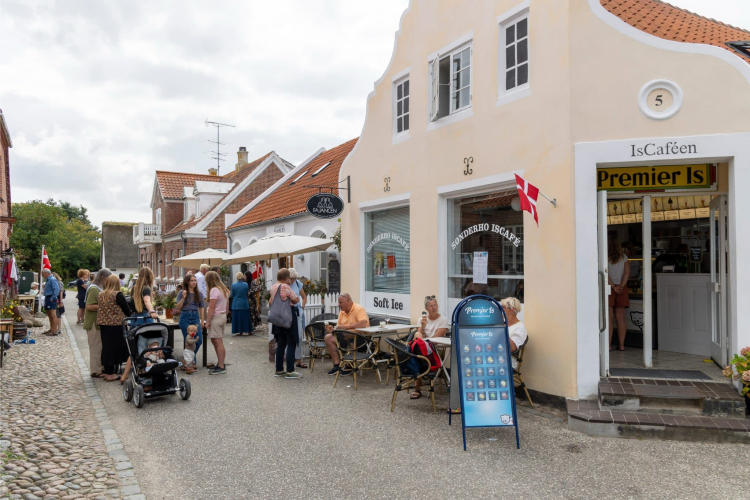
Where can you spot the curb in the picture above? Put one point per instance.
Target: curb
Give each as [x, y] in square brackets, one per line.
[130, 490]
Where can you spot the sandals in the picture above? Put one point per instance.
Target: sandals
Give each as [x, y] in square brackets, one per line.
[51, 334]
[415, 394]
[111, 378]
[300, 364]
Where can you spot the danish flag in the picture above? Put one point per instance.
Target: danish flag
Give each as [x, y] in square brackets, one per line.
[45, 260]
[528, 195]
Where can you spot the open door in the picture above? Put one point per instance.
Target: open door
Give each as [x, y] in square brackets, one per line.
[604, 288]
[718, 284]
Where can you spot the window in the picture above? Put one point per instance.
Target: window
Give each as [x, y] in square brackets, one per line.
[402, 106]
[157, 216]
[197, 207]
[514, 35]
[320, 169]
[171, 259]
[299, 177]
[387, 251]
[182, 269]
[185, 211]
[486, 223]
[450, 78]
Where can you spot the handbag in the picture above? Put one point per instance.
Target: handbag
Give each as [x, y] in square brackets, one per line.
[280, 313]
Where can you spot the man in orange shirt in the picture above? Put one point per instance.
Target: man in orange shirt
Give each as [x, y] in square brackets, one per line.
[351, 317]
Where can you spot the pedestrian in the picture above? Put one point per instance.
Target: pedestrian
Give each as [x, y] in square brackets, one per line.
[81, 285]
[143, 308]
[51, 298]
[60, 304]
[252, 297]
[286, 338]
[113, 309]
[192, 308]
[298, 288]
[201, 277]
[93, 334]
[216, 318]
[240, 307]
[122, 279]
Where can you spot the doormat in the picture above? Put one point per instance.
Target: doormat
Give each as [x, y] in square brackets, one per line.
[670, 374]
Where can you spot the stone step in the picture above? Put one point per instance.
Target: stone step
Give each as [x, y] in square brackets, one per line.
[674, 397]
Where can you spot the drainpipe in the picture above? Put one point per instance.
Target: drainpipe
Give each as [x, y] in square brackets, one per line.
[229, 248]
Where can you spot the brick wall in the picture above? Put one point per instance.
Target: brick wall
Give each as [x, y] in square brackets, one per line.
[4, 192]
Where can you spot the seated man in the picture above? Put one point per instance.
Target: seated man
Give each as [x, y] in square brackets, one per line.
[34, 289]
[351, 317]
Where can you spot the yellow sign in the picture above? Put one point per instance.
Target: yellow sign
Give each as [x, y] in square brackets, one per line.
[654, 178]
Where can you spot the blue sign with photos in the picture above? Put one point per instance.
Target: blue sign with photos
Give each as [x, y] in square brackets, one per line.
[485, 370]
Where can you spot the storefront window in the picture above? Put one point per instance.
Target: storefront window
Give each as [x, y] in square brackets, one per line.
[387, 251]
[491, 224]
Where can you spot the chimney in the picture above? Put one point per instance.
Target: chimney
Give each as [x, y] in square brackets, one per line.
[212, 171]
[241, 158]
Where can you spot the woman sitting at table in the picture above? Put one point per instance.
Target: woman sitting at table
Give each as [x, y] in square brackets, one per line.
[516, 329]
[430, 326]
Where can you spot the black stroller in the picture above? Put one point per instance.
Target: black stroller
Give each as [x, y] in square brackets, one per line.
[159, 379]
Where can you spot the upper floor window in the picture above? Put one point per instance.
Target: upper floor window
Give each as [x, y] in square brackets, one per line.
[185, 210]
[514, 35]
[157, 216]
[402, 106]
[450, 78]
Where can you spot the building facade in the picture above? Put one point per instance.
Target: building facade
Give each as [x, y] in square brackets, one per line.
[577, 97]
[119, 253]
[188, 210]
[6, 217]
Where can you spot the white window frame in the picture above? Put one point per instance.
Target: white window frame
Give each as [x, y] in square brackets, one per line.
[433, 61]
[181, 253]
[471, 78]
[396, 100]
[157, 216]
[504, 21]
[185, 210]
[298, 178]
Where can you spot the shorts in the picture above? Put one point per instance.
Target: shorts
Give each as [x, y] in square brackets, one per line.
[50, 303]
[81, 304]
[216, 328]
[621, 300]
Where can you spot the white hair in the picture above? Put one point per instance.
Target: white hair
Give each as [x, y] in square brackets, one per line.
[293, 273]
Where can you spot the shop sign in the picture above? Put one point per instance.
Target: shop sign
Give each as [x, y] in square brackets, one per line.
[668, 148]
[486, 227]
[395, 304]
[654, 178]
[325, 205]
[388, 236]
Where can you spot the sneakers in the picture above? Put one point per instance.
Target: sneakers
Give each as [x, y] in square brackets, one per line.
[333, 370]
[280, 374]
[293, 375]
[216, 370]
[346, 372]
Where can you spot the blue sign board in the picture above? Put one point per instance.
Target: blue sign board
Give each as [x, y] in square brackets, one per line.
[484, 367]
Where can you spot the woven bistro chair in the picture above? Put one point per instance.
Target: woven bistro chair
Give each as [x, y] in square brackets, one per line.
[355, 351]
[314, 334]
[404, 381]
[518, 382]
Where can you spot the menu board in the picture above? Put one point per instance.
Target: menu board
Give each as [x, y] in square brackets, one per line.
[334, 276]
[669, 208]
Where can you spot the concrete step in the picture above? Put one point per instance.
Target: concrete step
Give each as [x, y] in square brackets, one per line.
[670, 397]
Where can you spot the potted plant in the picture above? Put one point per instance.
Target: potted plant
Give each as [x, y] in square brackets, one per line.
[169, 302]
[739, 369]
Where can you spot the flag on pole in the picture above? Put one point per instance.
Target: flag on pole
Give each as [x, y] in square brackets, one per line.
[528, 195]
[257, 271]
[45, 260]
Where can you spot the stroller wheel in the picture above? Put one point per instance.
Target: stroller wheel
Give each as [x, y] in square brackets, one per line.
[139, 396]
[127, 391]
[184, 388]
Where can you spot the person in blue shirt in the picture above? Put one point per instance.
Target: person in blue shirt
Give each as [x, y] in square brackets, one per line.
[51, 294]
[240, 307]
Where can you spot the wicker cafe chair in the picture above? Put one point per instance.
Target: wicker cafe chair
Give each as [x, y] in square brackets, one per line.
[517, 379]
[314, 334]
[356, 351]
[406, 381]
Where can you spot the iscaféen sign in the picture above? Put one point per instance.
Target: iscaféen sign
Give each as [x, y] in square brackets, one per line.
[654, 178]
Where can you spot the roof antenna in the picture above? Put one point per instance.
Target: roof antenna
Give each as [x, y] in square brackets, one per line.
[218, 152]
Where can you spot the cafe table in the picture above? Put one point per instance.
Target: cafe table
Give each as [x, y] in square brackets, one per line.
[443, 344]
[377, 333]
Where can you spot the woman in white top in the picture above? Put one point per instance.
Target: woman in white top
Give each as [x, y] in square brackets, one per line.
[516, 329]
[619, 270]
[430, 326]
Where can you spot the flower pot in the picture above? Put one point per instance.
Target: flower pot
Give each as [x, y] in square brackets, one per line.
[169, 313]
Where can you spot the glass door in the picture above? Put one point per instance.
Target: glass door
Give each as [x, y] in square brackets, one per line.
[604, 288]
[718, 284]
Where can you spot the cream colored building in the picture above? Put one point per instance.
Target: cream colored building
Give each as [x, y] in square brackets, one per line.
[554, 90]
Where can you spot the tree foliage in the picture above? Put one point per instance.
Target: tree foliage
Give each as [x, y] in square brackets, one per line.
[71, 240]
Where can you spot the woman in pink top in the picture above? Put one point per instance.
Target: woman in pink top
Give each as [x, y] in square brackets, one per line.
[216, 318]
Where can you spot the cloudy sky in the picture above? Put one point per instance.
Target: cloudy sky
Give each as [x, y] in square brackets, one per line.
[99, 94]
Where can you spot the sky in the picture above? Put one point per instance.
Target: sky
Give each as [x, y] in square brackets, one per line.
[99, 94]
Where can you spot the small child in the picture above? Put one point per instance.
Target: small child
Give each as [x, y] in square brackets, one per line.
[154, 357]
[188, 353]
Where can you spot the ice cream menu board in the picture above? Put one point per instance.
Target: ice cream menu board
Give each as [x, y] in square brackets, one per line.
[485, 372]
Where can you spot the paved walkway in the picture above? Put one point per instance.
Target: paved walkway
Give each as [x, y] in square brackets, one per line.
[54, 432]
[250, 435]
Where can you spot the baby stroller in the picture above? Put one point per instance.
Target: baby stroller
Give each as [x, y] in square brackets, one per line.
[159, 379]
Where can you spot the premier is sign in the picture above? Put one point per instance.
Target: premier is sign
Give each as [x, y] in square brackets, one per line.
[654, 178]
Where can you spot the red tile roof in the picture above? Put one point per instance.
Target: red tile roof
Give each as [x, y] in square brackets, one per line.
[172, 184]
[672, 23]
[291, 199]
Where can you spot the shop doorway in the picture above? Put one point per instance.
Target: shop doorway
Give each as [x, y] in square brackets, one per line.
[676, 313]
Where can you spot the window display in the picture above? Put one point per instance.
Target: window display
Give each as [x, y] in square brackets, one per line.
[387, 251]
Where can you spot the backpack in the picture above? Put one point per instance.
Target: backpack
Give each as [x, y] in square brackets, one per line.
[422, 347]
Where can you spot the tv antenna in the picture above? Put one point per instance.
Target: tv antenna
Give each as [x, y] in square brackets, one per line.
[218, 143]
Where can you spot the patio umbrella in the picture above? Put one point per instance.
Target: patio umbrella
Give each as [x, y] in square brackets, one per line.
[194, 260]
[275, 246]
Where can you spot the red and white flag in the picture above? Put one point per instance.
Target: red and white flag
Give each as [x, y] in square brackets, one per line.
[528, 195]
[45, 260]
[257, 271]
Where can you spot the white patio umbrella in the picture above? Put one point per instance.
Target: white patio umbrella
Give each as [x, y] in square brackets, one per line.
[194, 260]
[276, 246]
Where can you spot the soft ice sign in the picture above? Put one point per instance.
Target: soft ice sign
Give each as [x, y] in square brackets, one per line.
[485, 372]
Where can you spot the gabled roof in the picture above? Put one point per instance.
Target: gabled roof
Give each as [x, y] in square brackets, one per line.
[235, 177]
[291, 199]
[172, 184]
[672, 23]
[4, 129]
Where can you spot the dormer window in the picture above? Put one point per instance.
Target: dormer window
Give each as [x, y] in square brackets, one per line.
[299, 177]
[157, 216]
[319, 170]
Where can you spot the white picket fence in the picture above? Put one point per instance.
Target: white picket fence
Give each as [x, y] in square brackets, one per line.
[320, 304]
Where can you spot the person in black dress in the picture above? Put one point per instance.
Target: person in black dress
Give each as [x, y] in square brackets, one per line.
[81, 285]
[113, 309]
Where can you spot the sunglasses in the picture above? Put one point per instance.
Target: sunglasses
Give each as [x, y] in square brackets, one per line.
[429, 297]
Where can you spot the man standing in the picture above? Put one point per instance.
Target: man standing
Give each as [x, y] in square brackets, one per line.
[51, 294]
[200, 277]
[351, 317]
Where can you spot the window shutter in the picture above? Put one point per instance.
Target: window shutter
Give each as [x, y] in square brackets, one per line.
[434, 109]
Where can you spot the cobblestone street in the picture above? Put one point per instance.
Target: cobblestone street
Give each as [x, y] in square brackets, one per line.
[54, 431]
